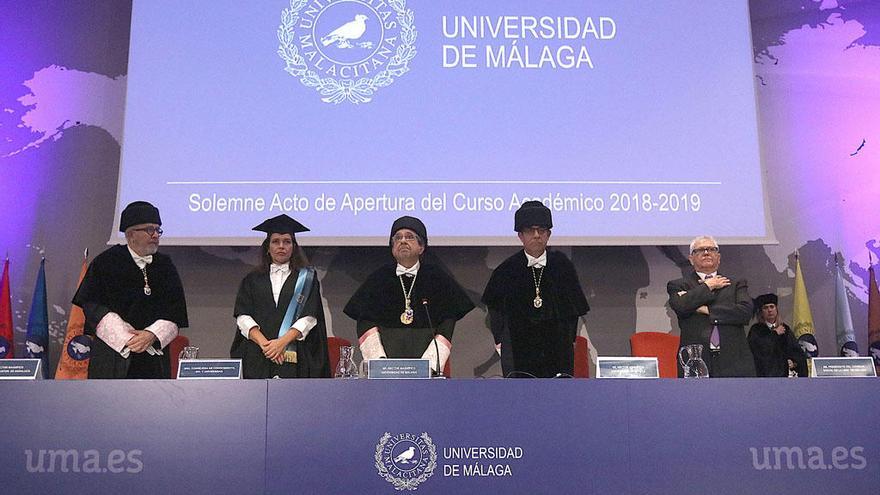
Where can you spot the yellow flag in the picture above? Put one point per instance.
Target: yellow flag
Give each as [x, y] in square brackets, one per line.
[802, 320]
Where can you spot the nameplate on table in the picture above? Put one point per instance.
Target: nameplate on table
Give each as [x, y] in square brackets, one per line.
[398, 369]
[21, 369]
[627, 367]
[196, 369]
[837, 367]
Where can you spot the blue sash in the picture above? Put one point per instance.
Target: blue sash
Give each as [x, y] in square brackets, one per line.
[304, 281]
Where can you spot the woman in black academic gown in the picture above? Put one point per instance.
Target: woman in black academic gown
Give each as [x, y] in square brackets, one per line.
[774, 347]
[272, 338]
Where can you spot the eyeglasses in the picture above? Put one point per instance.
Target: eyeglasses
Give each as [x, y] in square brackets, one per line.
[709, 249]
[535, 230]
[150, 231]
[404, 237]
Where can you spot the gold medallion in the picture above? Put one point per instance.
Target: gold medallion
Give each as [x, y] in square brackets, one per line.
[407, 316]
[147, 290]
[538, 302]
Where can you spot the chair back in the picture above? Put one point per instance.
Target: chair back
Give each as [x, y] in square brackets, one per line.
[174, 348]
[662, 346]
[581, 357]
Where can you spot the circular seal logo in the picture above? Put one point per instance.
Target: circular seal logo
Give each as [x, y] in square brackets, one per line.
[405, 460]
[346, 50]
[79, 348]
[4, 347]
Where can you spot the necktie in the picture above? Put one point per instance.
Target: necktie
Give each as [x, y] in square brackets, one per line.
[401, 270]
[280, 269]
[714, 338]
[539, 262]
[146, 260]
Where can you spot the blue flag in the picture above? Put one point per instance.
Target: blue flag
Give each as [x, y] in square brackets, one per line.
[38, 323]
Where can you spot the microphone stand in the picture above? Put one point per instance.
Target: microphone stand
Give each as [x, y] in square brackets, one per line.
[433, 338]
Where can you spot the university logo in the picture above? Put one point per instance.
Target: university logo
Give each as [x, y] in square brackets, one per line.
[79, 347]
[5, 347]
[348, 49]
[874, 352]
[405, 460]
[33, 349]
[808, 343]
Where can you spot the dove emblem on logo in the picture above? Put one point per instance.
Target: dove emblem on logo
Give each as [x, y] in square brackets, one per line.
[346, 50]
[343, 35]
[874, 350]
[34, 349]
[405, 460]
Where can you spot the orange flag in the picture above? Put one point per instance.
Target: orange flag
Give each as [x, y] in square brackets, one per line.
[6, 343]
[74, 361]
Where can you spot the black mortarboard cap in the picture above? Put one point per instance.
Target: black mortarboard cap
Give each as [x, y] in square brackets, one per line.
[282, 224]
[763, 299]
[137, 213]
[532, 213]
[411, 223]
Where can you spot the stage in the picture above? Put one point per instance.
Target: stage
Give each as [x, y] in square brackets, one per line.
[443, 436]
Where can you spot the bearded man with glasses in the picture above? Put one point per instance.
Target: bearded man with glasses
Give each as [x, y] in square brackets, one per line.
[133, 301]
[408, 308]
[713, 310]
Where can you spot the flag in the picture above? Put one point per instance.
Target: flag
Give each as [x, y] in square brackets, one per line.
[803, 318]
[7, 349]
[73, 364]
[37, 344]
[873, 317]
[846, 334]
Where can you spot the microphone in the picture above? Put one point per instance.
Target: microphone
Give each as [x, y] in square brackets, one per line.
[433, 336]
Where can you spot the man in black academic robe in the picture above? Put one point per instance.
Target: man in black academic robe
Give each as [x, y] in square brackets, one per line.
[386, 326]
[260, 318]
[712, 310]
[133, 301]
[535, 301]
[774, 347]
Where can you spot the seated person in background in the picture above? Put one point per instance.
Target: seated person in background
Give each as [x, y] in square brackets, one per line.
[398, 303]
[773, 345]
[279, 335]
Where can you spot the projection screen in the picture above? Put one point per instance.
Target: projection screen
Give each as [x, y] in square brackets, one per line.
[634, 121]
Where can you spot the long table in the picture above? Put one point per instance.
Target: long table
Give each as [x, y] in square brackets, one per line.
[735, 436]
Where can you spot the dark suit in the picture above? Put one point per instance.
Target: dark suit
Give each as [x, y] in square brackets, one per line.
[730, 309]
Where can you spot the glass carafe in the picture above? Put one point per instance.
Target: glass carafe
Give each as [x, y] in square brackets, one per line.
[691, 359]
[346, 368]
[189, 352]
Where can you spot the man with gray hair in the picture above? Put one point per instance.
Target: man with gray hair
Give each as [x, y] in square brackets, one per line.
[713, 310]
[133, 301]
